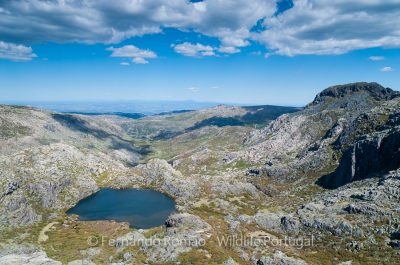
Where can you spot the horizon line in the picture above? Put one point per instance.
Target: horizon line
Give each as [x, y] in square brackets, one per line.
[111, 101]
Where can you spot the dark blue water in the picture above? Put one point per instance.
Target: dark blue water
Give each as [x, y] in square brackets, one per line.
[140, 208]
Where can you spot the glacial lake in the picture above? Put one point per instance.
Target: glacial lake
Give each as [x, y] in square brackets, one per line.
[140, 208]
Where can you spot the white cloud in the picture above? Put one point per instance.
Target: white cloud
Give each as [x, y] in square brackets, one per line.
[332, 27]
[376, 58]
[200, 50]
[140, 60]
[194, 50]
[228, 49]
[124, 63]
[137, 55]
[387, 69]
[104, 21]
[15, 52]
[310, 27]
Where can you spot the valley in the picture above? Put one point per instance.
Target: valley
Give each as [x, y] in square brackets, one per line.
[315, 185]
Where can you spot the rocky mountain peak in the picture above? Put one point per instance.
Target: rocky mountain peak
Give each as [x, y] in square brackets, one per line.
[374, 90]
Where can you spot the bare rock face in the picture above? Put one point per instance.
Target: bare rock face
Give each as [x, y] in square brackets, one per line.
[17, 208]
[184, 232]
[368, 201]
[268, 220]
[376, 153]
[278, 222]
[186, 220]
[52, 177]
[158, 173]
[35, 258]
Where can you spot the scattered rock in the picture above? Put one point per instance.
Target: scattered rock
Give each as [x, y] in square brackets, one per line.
[35, 258]
[279, 258]
[230, 261]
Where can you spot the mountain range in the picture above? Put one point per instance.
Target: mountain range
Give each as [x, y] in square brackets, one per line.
[329, 171]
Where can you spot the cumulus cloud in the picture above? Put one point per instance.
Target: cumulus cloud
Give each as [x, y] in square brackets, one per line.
[15, 52]
[376, 58]
[62, 21]
[387, 69]
[137, 55]
[194, 50]
[332, 27]
[309, 27]
[124, 63]
[104, 21]
[140, 60]
[228, 49]
[200, 50]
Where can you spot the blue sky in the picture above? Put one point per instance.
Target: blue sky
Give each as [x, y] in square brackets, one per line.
[218, 56]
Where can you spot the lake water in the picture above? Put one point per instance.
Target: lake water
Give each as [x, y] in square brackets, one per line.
[140, 208]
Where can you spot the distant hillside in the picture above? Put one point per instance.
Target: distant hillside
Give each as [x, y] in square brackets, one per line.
[253, 116]
[120, 114]
[122, 106]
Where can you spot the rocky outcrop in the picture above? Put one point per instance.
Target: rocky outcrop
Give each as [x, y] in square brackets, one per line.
[158, 174]
[230, 261]
[48, 179]
[35, 258]
[278, 222]
[188, 221]
[184, 232]
[375, 154]
[373, 90]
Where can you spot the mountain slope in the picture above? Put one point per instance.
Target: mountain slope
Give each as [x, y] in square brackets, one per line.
[327, 173]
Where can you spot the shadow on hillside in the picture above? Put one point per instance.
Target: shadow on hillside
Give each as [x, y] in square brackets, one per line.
[217, 121]
[256, 115]
[76, 124]
[164, 135]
